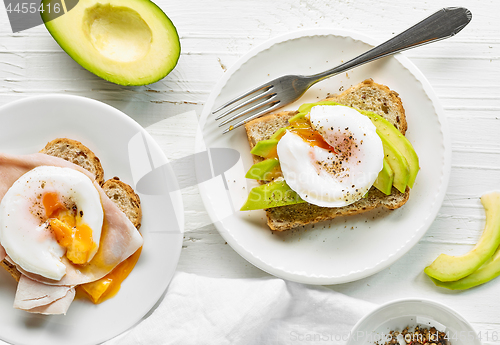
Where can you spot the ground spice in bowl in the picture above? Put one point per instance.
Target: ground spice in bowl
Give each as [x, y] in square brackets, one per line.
[419, 336]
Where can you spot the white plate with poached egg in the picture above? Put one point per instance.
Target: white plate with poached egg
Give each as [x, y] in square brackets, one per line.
[347, 248]
[123, 146]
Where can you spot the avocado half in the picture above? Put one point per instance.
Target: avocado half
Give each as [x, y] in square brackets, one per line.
[127, 42]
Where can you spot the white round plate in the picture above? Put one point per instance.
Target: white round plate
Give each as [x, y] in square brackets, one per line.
[347, 248]
[25, 127]
[376, 327]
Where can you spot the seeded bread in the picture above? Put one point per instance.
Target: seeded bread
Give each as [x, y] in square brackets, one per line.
[125, 198]
[119, 192]
[75, 152]
[367, 95]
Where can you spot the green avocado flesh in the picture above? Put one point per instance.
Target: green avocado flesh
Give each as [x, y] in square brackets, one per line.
[272, 194]
[398, 164]
[489, 271]
[454, 268]
[127, 42]
[385, 179]
[264, 147]
[279, 133]
[400, 142]
[264, 170]
[400, 160]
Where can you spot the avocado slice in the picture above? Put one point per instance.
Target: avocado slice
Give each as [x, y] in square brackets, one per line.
[448, 268]
[265, 148]
[127, 42]
[397, 162]
[297, 117]
[400, 142]
[265, 170]
[489, 271]
[279, 133]
[385, 179]
[272, 194]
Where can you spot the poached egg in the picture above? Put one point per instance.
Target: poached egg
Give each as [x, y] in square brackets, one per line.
[335, 161]
[47, 213]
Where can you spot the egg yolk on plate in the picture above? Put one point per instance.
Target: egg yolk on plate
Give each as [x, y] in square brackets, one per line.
[109, 285]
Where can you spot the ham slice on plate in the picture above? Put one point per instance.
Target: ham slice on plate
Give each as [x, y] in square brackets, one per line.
[57, 307]
[41, 298]
[119, 237]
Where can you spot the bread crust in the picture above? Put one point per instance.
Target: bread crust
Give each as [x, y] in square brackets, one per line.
[389, 106]
[75, 152]
[125, 198]
[11, 269]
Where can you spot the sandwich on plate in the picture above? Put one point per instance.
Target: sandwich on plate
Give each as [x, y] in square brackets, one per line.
[63, 228]
[342, 156]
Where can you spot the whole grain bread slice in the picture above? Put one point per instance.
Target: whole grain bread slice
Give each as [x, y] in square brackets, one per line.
[118, 191]
[366, 95]
[75, 152]
[125, 198]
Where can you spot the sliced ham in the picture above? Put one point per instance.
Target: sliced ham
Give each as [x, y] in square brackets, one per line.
[57, 307]
[32, 294]
[119, 238]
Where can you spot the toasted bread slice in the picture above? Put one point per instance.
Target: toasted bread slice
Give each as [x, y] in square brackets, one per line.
[119, 192]
[367, 95]
[125, 198]
[11, 269]
[75, 152]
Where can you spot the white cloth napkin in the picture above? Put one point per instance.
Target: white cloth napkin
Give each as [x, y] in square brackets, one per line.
[201, 310]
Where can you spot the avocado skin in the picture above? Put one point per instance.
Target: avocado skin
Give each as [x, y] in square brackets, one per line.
[272, 194]
[385, 179]
[448, 268]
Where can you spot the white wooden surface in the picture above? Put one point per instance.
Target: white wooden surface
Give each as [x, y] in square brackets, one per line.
[464, 71]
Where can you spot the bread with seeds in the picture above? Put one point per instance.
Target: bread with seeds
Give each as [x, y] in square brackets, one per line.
[366, 95]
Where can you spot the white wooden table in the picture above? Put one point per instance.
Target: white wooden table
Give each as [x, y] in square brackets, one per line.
[464, 71]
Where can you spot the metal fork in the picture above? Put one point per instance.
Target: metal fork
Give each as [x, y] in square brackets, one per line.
[279, 92]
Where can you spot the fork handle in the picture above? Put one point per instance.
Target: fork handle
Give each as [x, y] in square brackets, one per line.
[445, 23]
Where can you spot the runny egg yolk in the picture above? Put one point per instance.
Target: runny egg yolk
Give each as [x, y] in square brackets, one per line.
[77, 238]
[312, 137]
[68, 230]
[304, 130]
[109, 285]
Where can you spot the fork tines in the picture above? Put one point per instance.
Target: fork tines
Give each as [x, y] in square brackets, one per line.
[254, 103]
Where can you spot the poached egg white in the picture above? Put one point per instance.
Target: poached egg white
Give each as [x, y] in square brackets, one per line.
[340, 174]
